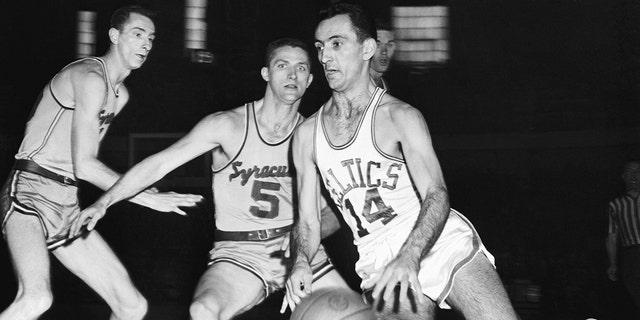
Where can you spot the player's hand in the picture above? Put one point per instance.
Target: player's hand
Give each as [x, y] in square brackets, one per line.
[400, 271]
[168, 201]
[285, 247]
[89, 217]
[298, 285]
[612, 272]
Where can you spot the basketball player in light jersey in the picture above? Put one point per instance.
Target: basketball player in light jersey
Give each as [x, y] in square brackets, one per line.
[374, 153]
[252, 188]
[39, 201]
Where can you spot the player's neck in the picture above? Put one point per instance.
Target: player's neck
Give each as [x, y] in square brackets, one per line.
[353, 99]
[274, 117]
[115, 69]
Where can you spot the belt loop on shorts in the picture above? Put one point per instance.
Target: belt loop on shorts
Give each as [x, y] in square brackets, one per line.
[254, 235]
[31, 166]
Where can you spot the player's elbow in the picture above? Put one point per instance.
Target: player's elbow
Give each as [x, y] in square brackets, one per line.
[84, 169]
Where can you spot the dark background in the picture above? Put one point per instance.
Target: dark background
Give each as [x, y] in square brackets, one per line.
[532, 119]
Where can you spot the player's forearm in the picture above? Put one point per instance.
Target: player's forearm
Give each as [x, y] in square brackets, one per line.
[329, 223]
[131, 185]
[305, 241]
[429, 225]
[95, 172]
[611, 245]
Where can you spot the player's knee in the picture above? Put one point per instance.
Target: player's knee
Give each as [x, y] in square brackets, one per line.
[199, 310]
[34, 304]
[132, 310]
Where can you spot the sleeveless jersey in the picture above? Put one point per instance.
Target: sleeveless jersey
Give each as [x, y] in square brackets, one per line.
[47, 139]
[254, 190]
[373, 190]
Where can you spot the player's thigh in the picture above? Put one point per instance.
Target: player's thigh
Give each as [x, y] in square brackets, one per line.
[228, 288]
[478, 292]
[92, 260]
[28, 249]
[330, 279]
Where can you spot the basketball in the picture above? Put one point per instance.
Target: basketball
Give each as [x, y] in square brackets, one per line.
[333, 304]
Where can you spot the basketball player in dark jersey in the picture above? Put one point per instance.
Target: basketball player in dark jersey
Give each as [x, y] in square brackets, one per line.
[374, 154]
[60, 146]
[252, 189]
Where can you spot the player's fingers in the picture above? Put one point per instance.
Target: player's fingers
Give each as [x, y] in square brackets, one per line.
[92, 223]
[284, 305]
[416, 288]
[307, 283]
[404, 285]
[179, 211]
[377, 289]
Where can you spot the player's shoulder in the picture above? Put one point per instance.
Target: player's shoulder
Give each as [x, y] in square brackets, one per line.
[395, 108]
[85, 72]
[226, 120]
[308, 123]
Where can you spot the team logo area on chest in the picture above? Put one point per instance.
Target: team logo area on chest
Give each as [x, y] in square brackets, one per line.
[257, 172]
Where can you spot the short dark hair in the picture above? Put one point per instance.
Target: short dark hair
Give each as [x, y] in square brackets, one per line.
[383, 25]
[121, 15]
[284, 42]
[360, 19]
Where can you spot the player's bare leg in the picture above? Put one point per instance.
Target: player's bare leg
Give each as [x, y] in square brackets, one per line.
[30, 259]
[224, 291]
[478, 292]
[93, 261]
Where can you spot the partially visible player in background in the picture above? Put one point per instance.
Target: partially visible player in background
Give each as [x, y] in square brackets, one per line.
[381, 60]
[39, 201]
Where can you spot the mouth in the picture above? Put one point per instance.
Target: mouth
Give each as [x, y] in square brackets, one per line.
[141, 56]
[291, 86]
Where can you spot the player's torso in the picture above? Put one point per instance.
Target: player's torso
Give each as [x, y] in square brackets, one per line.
[254, 190]
[372, 189]
[47, 139]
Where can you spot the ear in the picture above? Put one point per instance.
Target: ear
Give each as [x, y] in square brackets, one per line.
[369, 45]
[309, 80]
[114, 35]
[264, 72]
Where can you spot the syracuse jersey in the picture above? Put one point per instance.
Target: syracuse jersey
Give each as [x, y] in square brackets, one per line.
[254, 190]
[47, 139]
[373, 190]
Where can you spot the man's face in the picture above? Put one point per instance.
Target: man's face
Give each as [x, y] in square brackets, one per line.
[288, 74]
[339, 52]
[136, 39]
[631, 176]
[384, 52]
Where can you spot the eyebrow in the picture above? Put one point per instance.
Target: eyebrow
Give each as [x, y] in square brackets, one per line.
[338, 36]
[276, 61]
[143, 30]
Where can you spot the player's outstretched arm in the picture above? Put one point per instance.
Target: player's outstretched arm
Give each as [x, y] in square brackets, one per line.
[415, 140]
[306, 231]
[202, 138]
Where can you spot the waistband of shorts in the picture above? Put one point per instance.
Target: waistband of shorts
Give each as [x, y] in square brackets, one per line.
[30, 166]
[254, 235]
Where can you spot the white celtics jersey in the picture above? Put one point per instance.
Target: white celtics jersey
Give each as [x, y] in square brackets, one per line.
[372, 189]
[255, 189]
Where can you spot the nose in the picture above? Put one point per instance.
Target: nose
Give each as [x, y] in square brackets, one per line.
[292, 74]
[323, 56]
[147, 45]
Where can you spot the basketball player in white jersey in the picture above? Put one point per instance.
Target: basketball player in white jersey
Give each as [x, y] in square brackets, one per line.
[252, 188]
[374, 155]
[39, 201]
